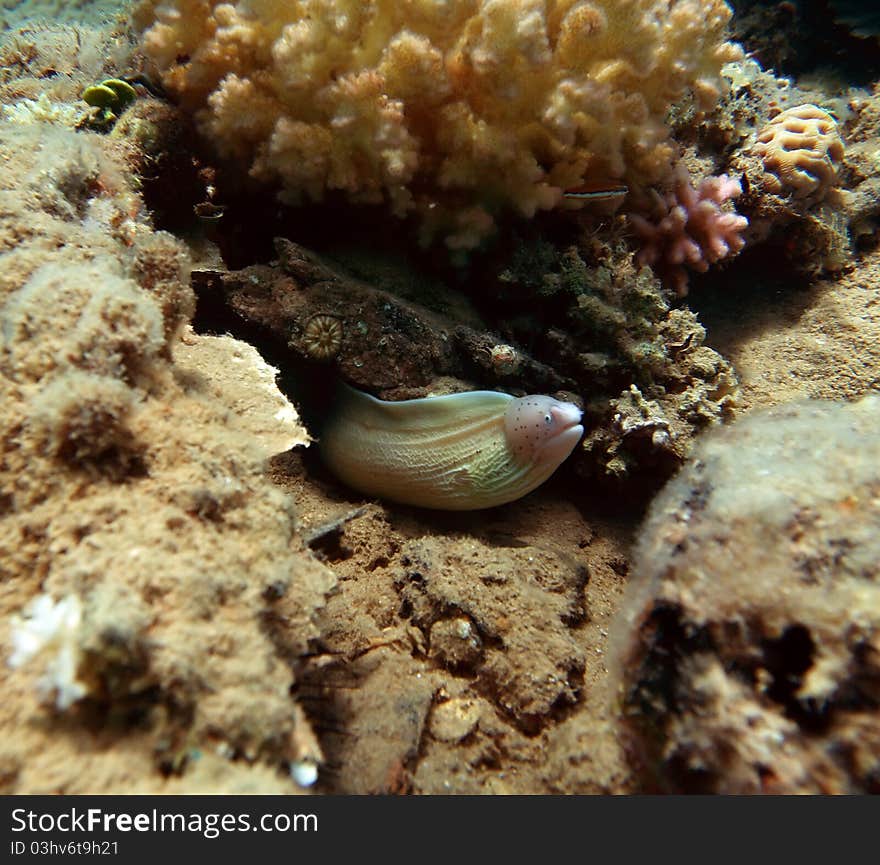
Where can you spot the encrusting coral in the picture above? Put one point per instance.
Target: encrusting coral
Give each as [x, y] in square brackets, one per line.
[453, 111]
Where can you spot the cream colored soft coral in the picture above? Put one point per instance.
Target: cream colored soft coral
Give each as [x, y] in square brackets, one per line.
[450, 109]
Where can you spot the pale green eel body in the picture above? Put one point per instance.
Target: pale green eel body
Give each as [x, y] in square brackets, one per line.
[459, 452]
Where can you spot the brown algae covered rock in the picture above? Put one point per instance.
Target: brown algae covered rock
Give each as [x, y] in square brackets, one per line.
[374, 339]
[153, 588]
[649, 382]
[749, 646]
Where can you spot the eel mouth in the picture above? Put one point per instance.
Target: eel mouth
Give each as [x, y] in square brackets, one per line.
[567, 417]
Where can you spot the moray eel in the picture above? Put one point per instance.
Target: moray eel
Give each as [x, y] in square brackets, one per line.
[459, 452]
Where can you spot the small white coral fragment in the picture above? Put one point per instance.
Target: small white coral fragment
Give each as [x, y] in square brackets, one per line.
[51, 629]
[304, 772]
[801, 149]
[41, 110]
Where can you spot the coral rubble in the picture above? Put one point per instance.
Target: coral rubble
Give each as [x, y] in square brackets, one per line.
[648, 381]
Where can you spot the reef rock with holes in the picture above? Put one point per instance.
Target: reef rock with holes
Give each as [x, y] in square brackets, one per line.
[749, 646]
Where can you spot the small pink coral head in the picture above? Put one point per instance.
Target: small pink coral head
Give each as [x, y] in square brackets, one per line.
[687, 230]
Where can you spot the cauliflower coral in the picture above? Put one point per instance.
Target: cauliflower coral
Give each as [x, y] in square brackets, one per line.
[449, 110]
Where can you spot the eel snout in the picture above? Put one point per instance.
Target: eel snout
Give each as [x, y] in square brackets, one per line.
[542, 429]
[567, 432]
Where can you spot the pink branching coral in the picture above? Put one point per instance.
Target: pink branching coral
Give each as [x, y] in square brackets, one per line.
[687, 228]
